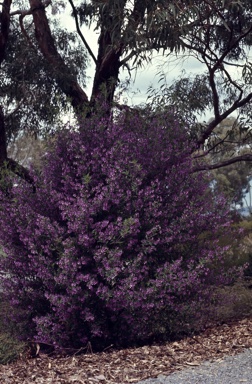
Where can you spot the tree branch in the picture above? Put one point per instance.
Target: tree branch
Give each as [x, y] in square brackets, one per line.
[213, 65]
[3, 142]
[80, 33]
[4, 29]
[205, 153]
[208, 167]
[29, 11]
[21, 17]
[217, 120]
[136, 17]
[214, 92]
[65, 79]
[19, 170]
[11, 164]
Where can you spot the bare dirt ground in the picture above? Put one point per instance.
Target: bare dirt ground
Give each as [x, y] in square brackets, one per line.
[133, 364]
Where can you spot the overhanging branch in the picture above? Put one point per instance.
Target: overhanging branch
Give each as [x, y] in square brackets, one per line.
[80, 33]
[66, 81]
[217, 120]
[19, 170]
[22, 27]
[225, 163]
[11, 164]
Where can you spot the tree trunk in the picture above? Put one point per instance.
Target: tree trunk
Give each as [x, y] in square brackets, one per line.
[107, 71]
[5, 24]
[3, 146]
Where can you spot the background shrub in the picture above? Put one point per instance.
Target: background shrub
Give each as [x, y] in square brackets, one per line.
[11, 348]
[110, 248]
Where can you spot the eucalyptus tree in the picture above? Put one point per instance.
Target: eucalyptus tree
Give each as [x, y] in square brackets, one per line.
[220, 40]
[217, 32]
[234, 179]
[31, 102]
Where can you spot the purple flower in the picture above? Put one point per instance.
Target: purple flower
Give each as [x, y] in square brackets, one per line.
[118, 235]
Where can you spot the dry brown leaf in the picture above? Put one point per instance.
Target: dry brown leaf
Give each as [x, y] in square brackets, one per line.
[132, 364]
[193, 364]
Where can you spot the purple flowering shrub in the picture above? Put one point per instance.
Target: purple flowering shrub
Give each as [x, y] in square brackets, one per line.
[111, 242]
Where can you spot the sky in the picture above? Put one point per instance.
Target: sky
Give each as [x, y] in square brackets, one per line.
[144, 77]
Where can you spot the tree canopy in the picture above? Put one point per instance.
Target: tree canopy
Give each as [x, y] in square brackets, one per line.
[234, 179]
[43, 67]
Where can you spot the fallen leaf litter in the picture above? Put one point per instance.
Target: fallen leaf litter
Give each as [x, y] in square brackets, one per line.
[132, 364]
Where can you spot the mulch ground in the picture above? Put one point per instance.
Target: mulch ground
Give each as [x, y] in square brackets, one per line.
[133, 364]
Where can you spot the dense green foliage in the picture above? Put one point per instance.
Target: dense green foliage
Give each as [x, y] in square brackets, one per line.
[32, 100]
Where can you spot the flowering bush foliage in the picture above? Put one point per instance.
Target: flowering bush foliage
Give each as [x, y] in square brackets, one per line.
[112, 238]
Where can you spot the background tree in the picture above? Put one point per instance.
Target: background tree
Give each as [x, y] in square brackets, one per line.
[220, 40]
[233, 180]
[28, 150]
[33, 103]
